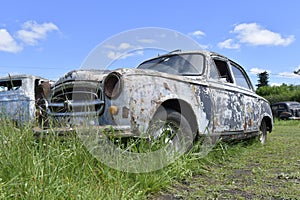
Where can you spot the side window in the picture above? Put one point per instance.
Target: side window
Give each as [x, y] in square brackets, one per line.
[240, 78]
[282, 107]
[221, 71]
[10, 85]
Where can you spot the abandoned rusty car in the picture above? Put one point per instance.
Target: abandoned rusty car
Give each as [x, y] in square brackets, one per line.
[286, 110]
[190, 93]
[20, 96]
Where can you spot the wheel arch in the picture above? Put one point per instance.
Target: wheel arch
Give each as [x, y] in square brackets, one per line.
[269, 123]
[184, 108]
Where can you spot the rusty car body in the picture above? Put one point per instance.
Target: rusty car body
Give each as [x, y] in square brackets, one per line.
[201, 89]
[20, 95]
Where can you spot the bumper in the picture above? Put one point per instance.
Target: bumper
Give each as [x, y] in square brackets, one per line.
[100, 131]
[294, 118]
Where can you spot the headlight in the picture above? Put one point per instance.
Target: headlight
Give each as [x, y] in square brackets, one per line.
[113, 85]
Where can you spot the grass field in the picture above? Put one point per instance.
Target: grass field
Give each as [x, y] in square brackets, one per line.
[248, 170]
[53, 168]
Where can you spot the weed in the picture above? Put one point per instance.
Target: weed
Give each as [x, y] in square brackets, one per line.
[55, 168]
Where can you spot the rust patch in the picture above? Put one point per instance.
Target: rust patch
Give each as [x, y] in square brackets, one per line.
[249, 122]
[125, 112]
[166, 86]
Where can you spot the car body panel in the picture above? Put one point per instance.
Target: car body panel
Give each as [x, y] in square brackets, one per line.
[19, 95]
[213, 104]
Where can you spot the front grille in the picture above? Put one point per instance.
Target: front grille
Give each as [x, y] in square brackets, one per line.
[76, 98]
[297, 113]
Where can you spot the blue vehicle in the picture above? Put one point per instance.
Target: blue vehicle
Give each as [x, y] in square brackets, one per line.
[19, 97]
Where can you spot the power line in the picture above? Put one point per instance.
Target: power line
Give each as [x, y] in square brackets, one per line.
[34, 67]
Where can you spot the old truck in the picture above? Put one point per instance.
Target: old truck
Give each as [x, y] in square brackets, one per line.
[181, 93]
[20, 97]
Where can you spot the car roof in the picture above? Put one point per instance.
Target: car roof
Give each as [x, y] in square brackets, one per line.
[180, 52]
[20, 76]
[286, 103]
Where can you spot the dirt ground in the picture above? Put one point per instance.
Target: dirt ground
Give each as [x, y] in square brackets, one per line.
[252, 171]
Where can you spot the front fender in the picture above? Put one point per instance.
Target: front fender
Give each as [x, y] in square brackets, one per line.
[142, 95]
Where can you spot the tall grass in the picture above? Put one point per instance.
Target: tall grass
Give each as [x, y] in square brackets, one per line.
[62, 168]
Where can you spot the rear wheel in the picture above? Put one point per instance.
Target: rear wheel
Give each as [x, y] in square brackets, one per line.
[262, 137]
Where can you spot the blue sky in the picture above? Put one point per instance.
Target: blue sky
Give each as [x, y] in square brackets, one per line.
[50, 38]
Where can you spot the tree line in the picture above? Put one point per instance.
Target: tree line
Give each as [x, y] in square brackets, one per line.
[275, 94]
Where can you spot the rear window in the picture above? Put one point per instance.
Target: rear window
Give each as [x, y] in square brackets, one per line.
[10, 85]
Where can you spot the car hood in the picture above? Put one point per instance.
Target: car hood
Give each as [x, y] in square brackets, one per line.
[145, 72]
[99, 75]
[82, 75]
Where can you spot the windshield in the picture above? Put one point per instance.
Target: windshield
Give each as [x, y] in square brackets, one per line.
[182, 64]
[295, 105]
[10, 85]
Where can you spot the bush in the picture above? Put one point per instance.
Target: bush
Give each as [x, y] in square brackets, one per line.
[280, 93]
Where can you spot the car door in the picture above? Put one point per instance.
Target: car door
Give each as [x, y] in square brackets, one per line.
[250, 99]
[227, 101]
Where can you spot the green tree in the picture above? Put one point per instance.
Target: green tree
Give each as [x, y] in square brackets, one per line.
[263, 79]
[283, 92]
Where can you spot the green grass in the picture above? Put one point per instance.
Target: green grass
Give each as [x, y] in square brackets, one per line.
[249, 170]
[56, 168]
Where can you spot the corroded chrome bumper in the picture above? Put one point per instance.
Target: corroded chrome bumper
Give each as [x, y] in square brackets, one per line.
[100, 131]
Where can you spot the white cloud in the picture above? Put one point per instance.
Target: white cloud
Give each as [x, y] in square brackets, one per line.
[122, 51]
[124, 46]
[147, 41]
[120, 47]
[275, 84]
[32, 32]
[114, 55]
[258, 71]
[288, 75]
[228, 44]
[255, 35]
[118, 55]
[197, 34]
[7, 42]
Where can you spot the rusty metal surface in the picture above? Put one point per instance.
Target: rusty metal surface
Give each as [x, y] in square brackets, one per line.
[286, 110]
[18, 96]
[217, 107]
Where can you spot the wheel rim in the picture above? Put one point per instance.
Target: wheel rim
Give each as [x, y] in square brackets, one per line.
[263, 132]
[262, 137]
[165, 132]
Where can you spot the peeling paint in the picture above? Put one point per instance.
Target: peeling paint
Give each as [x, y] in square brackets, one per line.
[217, 106]
[19, 97]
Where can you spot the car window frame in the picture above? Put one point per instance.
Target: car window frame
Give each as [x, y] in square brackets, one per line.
[180, 54]
[245, 75]
[220, 79]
